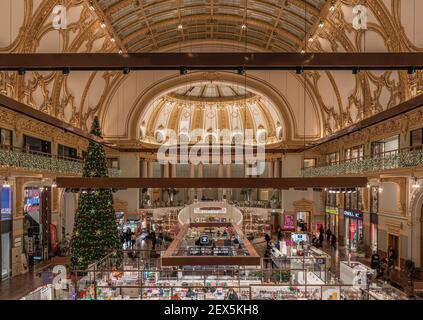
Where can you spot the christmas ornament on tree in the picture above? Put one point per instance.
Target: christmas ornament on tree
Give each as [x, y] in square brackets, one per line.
[95, 232]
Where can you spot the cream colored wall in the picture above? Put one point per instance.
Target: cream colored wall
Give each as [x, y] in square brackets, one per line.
[129, 167]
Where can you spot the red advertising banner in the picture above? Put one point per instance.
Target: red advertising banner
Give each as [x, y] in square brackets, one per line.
[53, 239]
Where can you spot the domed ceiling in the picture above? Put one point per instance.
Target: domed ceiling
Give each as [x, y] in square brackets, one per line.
[151, 25]
[208, 108]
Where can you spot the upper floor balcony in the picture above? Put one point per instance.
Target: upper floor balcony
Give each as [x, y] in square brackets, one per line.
[395, 159]
[38, 161]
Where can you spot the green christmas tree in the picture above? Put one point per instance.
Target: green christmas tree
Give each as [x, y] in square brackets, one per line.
[95, 232]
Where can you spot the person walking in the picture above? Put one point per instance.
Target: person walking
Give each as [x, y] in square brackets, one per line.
[153, 240]
[328, 235]
[333, 241]
[321, 238]
[133, 240]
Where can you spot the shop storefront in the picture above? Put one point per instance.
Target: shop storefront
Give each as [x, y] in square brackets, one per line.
[6, 201]
[304, 220]
[374, 208]
[331, 219]
[353, 228]
[32, 225]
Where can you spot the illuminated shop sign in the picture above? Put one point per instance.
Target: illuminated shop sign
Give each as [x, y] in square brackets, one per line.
[353, 214]
[299, 237]
[288, 222]
[6, 203]
[332, 210]
[210, 210]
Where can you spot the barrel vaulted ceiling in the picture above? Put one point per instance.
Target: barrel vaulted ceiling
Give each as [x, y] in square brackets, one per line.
[308, 106]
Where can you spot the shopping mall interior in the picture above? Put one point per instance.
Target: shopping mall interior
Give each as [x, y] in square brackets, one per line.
[211, 150]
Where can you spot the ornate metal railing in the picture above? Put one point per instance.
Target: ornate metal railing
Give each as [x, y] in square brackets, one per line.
[405, 158]
[38, 161]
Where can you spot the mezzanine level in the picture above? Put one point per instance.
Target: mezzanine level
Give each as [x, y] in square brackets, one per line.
[395, 159]
[15, 157]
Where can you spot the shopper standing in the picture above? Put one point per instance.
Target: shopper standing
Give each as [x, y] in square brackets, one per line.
[391, 258]
[128, 237]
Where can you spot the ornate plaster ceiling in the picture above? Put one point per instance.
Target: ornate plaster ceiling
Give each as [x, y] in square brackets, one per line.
[209, 108]
[336, 99]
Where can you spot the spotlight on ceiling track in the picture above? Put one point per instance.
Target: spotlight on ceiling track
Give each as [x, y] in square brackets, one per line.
[355, 70]
[241, 71]
[66, 71]
[126, 70]
[299, 70]
[21, 71]
[411, 70]
[183, 71]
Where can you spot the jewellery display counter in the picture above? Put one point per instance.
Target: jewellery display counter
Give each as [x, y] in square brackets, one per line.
[379, 291]
[355, 273]
[294, 292]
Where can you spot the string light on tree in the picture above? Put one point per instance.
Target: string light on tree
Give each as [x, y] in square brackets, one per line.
[95, 231]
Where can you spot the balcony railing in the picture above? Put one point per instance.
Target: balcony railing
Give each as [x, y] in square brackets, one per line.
[34, 160]
[404, 158]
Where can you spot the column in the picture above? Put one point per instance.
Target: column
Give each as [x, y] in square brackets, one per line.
[150, 169]
[150, 175]
[220, 175]
[270, 168]
[191, 175]
[276, 169]
[144, 168]
[228, 192]
[200, 175]
[173, 170]
[166, 170]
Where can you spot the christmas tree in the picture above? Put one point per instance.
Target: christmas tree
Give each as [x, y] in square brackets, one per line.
[95, 232]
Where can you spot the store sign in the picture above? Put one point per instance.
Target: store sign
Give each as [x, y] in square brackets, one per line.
[204, 239]
[353, 214]
[331, 210]
[210, 210]
[288, 222]
[6, 200]
[299, 237]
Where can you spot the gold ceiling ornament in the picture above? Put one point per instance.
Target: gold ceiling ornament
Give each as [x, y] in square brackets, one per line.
[60, 98]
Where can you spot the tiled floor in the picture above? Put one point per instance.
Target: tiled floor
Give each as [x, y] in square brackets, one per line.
[17, 287]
